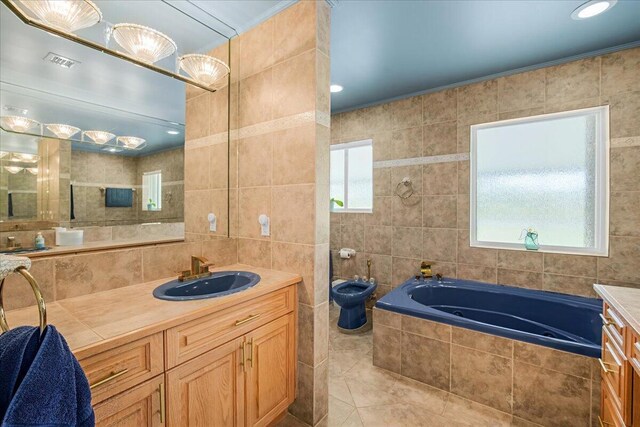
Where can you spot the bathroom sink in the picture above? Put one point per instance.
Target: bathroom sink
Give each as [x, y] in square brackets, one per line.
[217, 285]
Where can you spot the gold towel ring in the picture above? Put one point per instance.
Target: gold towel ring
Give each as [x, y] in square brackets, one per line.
[39, 298]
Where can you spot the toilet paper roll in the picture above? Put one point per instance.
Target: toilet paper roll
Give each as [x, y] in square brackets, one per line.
[347, 253]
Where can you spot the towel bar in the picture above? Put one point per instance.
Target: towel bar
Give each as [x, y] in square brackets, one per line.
[39, 299]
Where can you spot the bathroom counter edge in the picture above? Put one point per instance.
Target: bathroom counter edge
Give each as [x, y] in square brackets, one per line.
[626, 302]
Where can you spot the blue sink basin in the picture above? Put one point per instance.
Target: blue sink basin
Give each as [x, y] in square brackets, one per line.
[217, 285]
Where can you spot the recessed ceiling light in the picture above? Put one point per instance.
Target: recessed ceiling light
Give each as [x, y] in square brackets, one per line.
[592, 8]
[173, 132]
[60, 60]
[335, 88]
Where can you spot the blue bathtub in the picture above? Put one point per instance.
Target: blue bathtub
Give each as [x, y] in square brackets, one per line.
[564, 322]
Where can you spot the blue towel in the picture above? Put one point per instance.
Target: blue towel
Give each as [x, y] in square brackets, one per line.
[118, 198]
[41, 383]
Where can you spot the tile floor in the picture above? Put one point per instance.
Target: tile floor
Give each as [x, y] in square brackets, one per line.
[362, 395]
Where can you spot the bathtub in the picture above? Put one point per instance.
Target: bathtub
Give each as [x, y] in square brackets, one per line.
[563, 322]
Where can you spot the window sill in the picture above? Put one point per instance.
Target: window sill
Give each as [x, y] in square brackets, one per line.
[542, 249]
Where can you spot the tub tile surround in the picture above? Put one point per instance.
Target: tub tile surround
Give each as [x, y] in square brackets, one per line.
[439, 209]
[534, 384]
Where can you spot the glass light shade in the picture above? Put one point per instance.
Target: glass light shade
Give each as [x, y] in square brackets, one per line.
[65, 15]
[204, 69]
[18, 123]
[14, 169]
[63, 131]
[131, 142]
[99, 136]
[143, 43]
[32, 171]
[24, 158]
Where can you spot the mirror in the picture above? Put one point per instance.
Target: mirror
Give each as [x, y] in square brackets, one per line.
[136, 176]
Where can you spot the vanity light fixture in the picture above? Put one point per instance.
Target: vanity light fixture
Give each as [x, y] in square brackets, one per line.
[592, 8]
[204, 69]
[63, 131]
[18, 123]
[66, 15]
[24, 158]
[32, 171]
[14, 169]
[98, 136]
[143, 43]
[130, 142]
[173, 132]
[335, 88]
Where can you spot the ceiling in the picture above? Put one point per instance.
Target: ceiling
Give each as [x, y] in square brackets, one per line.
[381, 50]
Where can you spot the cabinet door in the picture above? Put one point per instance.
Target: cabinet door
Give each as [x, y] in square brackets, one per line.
[208, 390]
[271, 368]
[141, 406]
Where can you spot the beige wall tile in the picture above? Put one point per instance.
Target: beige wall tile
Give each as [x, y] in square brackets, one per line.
[382, 145]
[569, 284]
[426, 328]
[523, 279]
[407, 212]
[624, 108]
[476, 100]
[625, 169]
[573, 265]
[219, 111]
[220, 251]
[406, 143]
[17, 293]
[382, 182]
[406, 113]
[407, 242]
[256, 98]
[520, 260]
[476, 256]
[414, 173]
[255, 160]
[403, 269]
[620, 71]
[624, 253]
[386, 348]
[254, 202]
[353, 236]
[295, 30]
[387, 318]
[380, 268]
[254, 252]
[483, 342]
[378, 118]
[167, 260]
[377, 239]
[84, 274]
[293, 218]
[197, 119]
[573, 80]
[295, 258]
[439, 139]
[527, 112]
[440, 106]
[463, 211]
[294, 151]
[440, 178]
[473, 371]
[624, 214]
[549, 358]
[520, 91]
[352, 125]
[256, 49]
[552, 398]
[294, 85]
[439, 244]
[198, 203]
[435, 373]
[440, 211]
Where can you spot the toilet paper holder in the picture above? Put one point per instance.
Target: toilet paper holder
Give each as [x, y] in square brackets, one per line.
[346, 253]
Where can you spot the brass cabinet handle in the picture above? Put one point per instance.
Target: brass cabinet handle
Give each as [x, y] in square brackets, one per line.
[243, 350]
[604, 366]
[248, 319]
[605, 321]
[163, 407]
[250, 359]
[603, 423]
[110, 378]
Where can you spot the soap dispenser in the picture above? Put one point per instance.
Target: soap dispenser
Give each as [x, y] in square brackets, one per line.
[39, 242]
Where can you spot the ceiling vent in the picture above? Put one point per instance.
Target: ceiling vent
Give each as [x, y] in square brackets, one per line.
[60, 60]
[15, 110]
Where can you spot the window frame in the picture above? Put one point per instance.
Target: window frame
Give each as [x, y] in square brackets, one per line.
[601, 194]
[346, 146]
[145, 195]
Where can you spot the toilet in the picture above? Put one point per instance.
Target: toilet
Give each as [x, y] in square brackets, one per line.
[351, 296]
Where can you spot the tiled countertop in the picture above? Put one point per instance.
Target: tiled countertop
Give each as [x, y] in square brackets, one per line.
[626, 301]
[95, 322]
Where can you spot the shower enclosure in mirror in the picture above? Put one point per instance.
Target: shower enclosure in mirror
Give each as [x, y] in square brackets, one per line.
[95, 141]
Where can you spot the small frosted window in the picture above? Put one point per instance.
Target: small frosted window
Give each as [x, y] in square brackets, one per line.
[152, 191]
[352, 177]
[548, 173]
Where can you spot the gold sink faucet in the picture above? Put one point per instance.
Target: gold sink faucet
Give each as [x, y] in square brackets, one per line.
[199, 268]
[425, 270]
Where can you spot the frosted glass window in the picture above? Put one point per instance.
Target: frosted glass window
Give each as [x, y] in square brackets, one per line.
[352, 176]
[152, 191]
[548, 173]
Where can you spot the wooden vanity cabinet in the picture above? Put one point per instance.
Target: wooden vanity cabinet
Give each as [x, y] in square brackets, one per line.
[620, 369]
[247, 379]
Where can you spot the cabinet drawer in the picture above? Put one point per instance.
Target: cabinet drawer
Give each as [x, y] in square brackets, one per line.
[612, 364]
[191, 339]
[635, 353]
[612, 322]
[610, 415]
[143, 405]
[123, 367]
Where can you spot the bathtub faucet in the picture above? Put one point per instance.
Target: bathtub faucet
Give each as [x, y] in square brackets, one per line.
[425, 270]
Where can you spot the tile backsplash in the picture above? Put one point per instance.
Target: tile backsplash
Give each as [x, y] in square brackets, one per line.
[434, 223]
